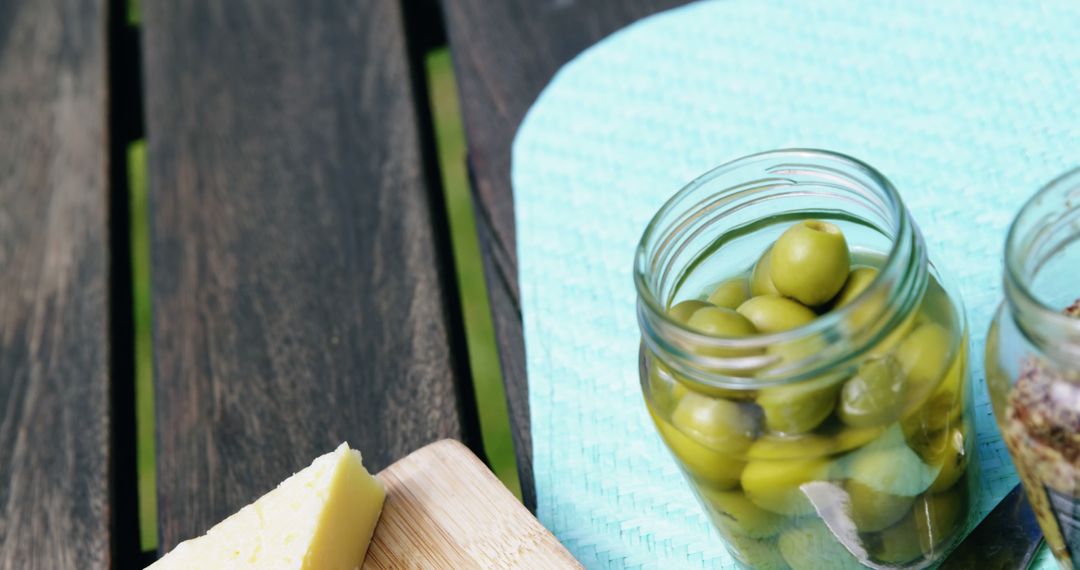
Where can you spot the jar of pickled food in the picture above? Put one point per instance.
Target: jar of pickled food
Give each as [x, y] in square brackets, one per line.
[806, 364]
[1033, 360]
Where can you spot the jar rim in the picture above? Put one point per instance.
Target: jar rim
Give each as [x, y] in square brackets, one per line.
[898, 211]
[784, 160]
[1018, 242]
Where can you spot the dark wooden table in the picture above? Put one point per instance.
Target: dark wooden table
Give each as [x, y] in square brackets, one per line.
[504, 53]
[303, 285]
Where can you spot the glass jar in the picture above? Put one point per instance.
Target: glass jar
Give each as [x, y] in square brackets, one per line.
[771, 430]
[1033, 360]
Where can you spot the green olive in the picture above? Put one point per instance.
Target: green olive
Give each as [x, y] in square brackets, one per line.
[798, 408]
[773, 313]
[712, 468]
[757, 554]
[897, 544]
[661, 375]
[662, 386]
[875, 395]
[850, 438]
[784, 447]
[718, 321]
[716, 423]
[947, 451]
[678, 390]
[871, 305]
[680, 385]
[924, 355]
[810, 262]
[898, 333]
[928, 446]
[872, 510]
[941, 411]
[737, 514]
[944, 408]
[876, 488]
[812, 546]
[760, 280]
[938, 517]
[948, 399]
[889, 469]
[731, 293]
[857, 282]
[793, 353]
[683, 310]
[774, 484]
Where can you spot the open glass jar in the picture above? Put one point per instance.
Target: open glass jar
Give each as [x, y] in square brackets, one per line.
[1033, 360]
[841, 442]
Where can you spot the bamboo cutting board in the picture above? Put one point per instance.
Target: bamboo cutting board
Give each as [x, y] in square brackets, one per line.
[445, 509]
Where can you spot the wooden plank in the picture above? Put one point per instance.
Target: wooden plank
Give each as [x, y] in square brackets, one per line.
[54, 263]
[302, 287]
[445, 509]
[504, 54]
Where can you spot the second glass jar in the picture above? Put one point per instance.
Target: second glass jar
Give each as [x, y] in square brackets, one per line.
[1033, 360]
[845, 437]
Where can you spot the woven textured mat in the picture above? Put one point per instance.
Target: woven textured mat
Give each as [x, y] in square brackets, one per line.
[967, 107]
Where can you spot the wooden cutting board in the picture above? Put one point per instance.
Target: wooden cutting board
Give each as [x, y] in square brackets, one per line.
[445, 509]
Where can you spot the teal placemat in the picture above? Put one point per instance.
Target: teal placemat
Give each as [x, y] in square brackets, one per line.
[968, 107]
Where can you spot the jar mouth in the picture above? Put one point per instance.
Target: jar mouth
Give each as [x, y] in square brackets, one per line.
[781, 167]
[1047, 224]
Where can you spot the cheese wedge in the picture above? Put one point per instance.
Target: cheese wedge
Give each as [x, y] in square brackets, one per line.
[321, 518]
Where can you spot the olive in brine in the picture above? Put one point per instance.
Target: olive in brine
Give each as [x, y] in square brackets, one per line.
[664, 390]
[924, 354]
[739, 514]
[868, 310]
[756, 553]
[797, 408]
[877, 496]
[718, 321]
[683, 310]
[773, 313]
[943, 410]
[897, 544]
[731, 293]
[717, 423]
[708, 466]
[771, 446]
[872, 510]
[795, 354]
[851, 438]
[938, 517]
[945, 405]
[810, 262]
[858, 280]
[812, 546]
[774, 484]
[891, 340]
[760, 279]
[889, 467]
[946, 452]
[875, 395]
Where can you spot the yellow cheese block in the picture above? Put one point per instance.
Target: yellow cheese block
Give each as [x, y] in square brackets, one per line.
[321, 518]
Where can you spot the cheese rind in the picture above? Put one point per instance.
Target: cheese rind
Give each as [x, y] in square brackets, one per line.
[321, 518]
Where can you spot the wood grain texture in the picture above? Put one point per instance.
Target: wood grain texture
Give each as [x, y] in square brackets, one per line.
[54, 353]
[504, 54]
[445, 509]
[299, 281]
